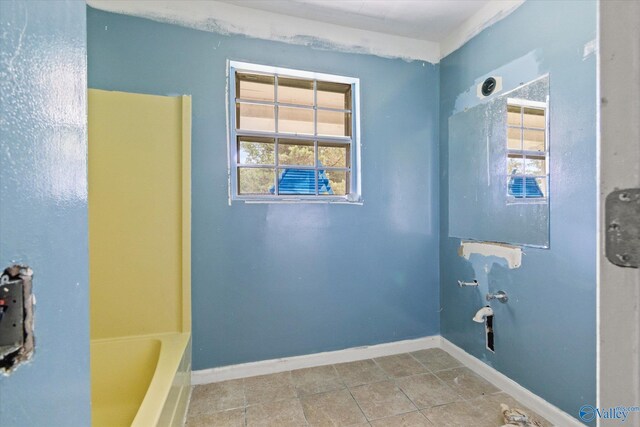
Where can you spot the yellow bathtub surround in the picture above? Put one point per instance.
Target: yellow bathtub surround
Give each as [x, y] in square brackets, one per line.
[139, 246]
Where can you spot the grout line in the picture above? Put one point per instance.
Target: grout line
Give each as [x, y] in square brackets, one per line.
[381, 368]
[420, 362]
[244, 413]
[244, 400]
[358, 405]
[405, 394]
[303, 413]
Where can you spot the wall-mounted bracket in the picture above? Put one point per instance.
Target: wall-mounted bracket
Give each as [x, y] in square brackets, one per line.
[622, 216]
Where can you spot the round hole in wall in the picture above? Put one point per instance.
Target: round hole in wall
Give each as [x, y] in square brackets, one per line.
[488, 86]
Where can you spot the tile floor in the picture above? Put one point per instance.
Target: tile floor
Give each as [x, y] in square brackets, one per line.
[423, 388]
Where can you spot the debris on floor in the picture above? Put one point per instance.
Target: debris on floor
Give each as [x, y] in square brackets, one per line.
[517, 417]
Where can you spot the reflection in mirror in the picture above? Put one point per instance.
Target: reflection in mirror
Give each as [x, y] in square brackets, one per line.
[499, 168]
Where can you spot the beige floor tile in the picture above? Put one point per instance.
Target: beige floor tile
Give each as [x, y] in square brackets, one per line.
[455, 414]
[228, 418]
[436, 359]
[280, 413]
[427, 390]
[412, 419]
[488, 407]
[210, 398]
[401, 365]
[265, 388]
[466, 383]
[382, 399]
[360, 372]
[333, 408]
[316, 380]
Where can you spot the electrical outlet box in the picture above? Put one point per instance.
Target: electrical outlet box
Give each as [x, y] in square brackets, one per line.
[17, 343]
[488, 324]
[11, 317]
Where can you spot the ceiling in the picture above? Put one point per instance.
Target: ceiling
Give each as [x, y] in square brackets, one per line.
[429, 20]
[409, 29]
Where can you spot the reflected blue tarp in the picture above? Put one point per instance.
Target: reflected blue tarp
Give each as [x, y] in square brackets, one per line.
[529, 189]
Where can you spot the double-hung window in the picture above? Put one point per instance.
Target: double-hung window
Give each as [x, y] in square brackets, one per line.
[293, 135]
[527, 151]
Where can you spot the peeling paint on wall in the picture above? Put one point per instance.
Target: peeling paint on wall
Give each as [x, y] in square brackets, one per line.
[512, 254]
[590, 48]
[516, 73]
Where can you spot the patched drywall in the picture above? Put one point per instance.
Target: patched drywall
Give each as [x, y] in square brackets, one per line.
[545, 335]
[228, 19]
[511, 254]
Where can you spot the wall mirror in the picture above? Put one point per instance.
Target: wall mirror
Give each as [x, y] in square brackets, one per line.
[499, 168]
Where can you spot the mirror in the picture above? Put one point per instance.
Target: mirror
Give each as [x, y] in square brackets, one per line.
[499, 168]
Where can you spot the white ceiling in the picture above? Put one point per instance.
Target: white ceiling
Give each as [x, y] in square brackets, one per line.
[429, 20]
[408, 29]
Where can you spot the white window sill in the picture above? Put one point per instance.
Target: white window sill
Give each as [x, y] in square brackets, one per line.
[359, 202]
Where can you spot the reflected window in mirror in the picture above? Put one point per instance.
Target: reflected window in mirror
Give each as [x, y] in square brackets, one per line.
[527, 151]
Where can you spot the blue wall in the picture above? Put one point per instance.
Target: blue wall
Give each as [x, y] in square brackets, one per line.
[546, 334]
[43, 204]
[275, 280]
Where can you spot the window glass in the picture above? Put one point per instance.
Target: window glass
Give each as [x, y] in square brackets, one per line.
[527, 152]
[293, 135]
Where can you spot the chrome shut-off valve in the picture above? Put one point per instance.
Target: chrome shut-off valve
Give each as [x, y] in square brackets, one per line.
[500, 296]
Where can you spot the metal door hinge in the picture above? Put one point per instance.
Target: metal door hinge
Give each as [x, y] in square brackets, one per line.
[622, 216]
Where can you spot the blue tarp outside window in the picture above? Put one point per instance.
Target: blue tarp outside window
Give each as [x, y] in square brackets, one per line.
[303, 182]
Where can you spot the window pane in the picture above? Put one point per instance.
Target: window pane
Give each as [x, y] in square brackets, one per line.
[514, 117]
[333, 156]
[297, 181]
[256, 151]
[295, 120]
[334, 95]
[255, 181]
[535, 166]
[295, 91]
[534, 118]
[513, 138]
[256, 117]
[541, 186]
[333, 183]
[334, 123]
[515, 165]
[534, 140]
[295, 153]
[255, 86]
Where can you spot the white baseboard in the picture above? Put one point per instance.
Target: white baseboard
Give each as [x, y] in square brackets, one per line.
[532, 401]
[273, 366]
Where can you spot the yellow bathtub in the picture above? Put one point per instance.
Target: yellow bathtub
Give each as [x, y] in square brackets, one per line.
[140, 381]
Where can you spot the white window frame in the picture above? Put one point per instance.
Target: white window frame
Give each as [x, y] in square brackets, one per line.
[523, 103]
[355, 184]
